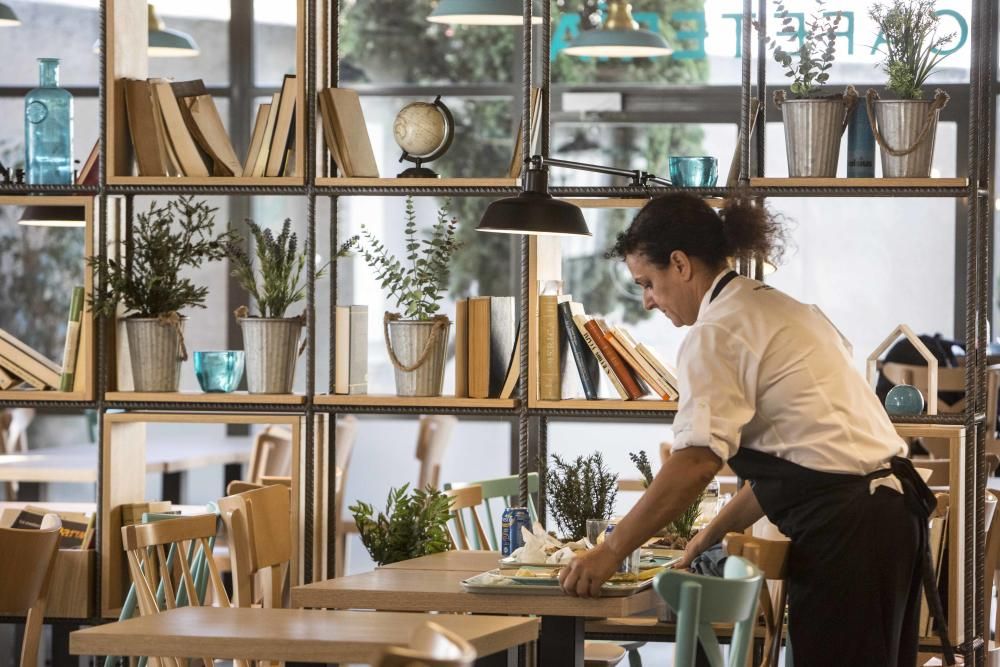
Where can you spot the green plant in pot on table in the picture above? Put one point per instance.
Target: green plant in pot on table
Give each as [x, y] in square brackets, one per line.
[149, 286]
[275, 282]
[905, 128]
[416, 338]
[413, 525]
[814, 122]
[579, 490]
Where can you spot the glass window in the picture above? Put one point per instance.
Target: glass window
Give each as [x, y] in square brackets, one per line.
[48, 29]
[85, 128]
[273, 42]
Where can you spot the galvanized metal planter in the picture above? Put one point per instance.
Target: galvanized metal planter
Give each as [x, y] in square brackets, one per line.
[272, 348]
[905, 131]
[417, 349]
[813, 129]
[156, 350]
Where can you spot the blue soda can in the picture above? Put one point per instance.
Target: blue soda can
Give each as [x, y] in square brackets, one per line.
[510, 526]
[626, 566]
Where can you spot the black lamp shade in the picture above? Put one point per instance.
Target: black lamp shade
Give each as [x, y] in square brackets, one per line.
[53, 216]
[533, 213]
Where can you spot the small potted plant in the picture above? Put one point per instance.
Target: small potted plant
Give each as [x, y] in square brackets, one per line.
[579, 490]
[271, 337]
[675, 535]
[417, 338]
[413, 525]
[905, 128]
[813, 122]
[149, 286]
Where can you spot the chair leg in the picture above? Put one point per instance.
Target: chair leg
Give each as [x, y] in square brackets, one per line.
[634, 659]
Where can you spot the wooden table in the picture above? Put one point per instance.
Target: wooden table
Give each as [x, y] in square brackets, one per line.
[431, 588]
[290, 635]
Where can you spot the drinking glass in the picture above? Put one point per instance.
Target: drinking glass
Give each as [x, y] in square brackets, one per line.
[219, 371]
[595, 529]
[693, 172]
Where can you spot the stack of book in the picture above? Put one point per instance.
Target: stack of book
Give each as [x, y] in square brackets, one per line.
[486, 347]
[632, 368]
[77, 531]
[350, 347]
[176, 130]
[346, 133]
[21, 364]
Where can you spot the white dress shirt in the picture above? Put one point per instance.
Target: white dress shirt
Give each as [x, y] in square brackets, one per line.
[759, 369]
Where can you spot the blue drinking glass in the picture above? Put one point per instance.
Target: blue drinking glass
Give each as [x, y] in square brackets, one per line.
[693, 172]
[48, 129]
[904, 399]
[219, 371]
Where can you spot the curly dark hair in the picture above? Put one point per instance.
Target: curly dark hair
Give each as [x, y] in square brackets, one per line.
[682, 221]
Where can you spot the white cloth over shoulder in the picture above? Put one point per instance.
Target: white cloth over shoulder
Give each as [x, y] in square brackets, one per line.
[759, 369]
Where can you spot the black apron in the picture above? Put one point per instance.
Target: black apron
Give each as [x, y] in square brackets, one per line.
[855, 563]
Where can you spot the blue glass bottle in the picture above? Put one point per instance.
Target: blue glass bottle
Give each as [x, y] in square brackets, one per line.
[48, 129]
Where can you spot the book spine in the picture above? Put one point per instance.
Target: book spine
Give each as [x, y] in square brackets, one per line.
[621, 371]
[580, 353]
[605, 366]
[72, 346]
[549, 385]
[357, 380]
[462, 348]
[7, 380]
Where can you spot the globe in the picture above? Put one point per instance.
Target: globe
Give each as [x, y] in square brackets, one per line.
[420, 129]
[904, 399]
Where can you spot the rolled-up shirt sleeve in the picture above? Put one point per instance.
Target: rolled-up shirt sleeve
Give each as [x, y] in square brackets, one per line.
[717, 374]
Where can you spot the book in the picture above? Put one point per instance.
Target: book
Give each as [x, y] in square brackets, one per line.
[76, 530]
[18, 355]
[205, 124]
[462, 348]
[618, 366]
[172, 164]
[351, 133]
[283, 135]
[623, 342]
[7, 381]
[150, 153]
[256, 138]
[178, 136]
[513, 369]
[586, 363]
[350, 369]
[503, 333]
[549, 376]
[479, 347]
[517, 159]
[665, 370]
[326, 119]
[88, 174]
[581, 320]
[72, 340]
[734, 167]
[260, 162]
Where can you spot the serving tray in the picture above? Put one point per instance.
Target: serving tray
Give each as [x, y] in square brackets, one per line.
[493, 582]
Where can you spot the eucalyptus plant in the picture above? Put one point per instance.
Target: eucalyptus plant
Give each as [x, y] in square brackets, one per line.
[912, 48]
[579, 490]
[413, 524]
[682, 526]
[808, 66]
[277, 282]
[166, 240]
[416, 282]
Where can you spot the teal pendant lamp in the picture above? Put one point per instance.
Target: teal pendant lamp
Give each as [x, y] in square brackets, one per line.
[167, 43]
[8, 19]
[619, 37]
[484, 12]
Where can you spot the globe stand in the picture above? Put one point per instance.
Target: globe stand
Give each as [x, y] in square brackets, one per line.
[420, 171]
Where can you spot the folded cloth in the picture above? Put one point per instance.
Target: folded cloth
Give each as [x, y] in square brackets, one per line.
[711, 562]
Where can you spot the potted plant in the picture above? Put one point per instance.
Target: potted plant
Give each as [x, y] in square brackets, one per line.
[905, 128]
[417, 338]
[813, 122]
[271, 338]
[579, 490]
[675, 535]
[149, 285]
[413, 525]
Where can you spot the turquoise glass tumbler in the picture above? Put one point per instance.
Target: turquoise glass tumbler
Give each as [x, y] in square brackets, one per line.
[219, 372]
[694, 172]
[48, 129]
[904, 399]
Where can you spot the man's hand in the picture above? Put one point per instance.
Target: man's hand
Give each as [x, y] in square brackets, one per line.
[695, 546]
[585, 573]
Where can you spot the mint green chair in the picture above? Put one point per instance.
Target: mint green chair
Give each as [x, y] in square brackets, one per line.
[700, 601]
[500, 490]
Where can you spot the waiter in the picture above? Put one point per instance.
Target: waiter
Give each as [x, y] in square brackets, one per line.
[767, 385]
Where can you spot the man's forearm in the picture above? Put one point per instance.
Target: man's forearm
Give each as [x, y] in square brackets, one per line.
[740, 512]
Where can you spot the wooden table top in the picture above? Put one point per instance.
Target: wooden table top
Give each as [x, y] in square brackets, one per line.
[302, 635]
[400, 589]
[464, 561]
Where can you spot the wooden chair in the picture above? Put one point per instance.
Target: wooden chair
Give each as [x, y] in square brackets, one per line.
[504, 492]
[771, 558]
[466, 498]
[271, 454]
[14, 424]
[433, 438]
[700, 601]
[431, 646]
[260, 543]
[347, 435]
[26, 558]
[941, 468]
[146, 546]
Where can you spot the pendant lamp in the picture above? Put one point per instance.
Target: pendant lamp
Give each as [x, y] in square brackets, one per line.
[619, 37]
[484, 12]
[8, 19]
[165, 42]
[53, 216]
[534, 211]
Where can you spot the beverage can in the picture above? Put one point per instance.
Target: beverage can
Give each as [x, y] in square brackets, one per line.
[630, 565]
[511, 521]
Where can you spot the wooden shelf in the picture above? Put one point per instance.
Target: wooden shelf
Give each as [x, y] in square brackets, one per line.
[375, 400]
[215, 181]
[605, 404]
[407, 183]
[626, 202]
[859, 182]
[31, 395]
[235, 397]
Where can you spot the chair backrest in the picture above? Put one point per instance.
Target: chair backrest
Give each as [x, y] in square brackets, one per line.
[433, 437]
[771, 558]
[464, 502]
[346, 434]
[28, 554]
[431, 645]
[260, 542]
[271, 454]
[503, 492]
[700, 601]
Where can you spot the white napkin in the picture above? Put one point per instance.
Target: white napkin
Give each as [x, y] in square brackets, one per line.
[540, 548]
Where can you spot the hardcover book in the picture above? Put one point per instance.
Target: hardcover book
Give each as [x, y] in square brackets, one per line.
[205, 124]
[503, 333]
[72, 345]
[350, 369]
[586, 363]
[479, 347]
